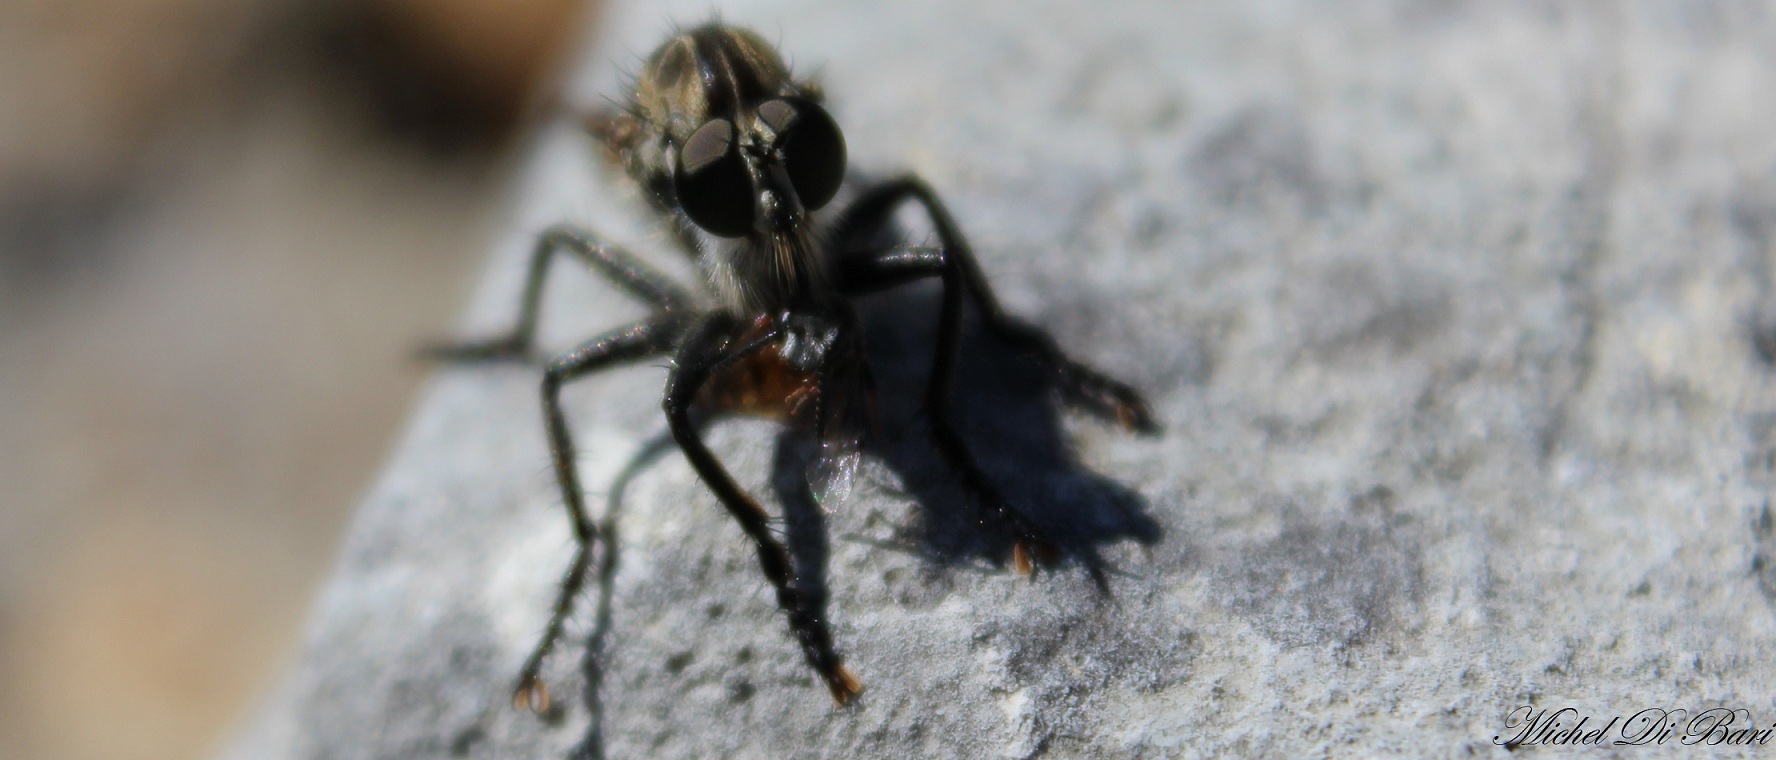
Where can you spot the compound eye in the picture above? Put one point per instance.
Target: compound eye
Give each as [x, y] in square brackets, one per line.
[712, 183]
[813, 148]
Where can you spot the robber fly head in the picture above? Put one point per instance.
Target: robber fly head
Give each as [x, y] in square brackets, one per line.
[734, 149]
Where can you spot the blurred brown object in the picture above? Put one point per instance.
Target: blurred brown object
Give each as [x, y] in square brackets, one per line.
[212, 278]
[456, 76]
[85, 87]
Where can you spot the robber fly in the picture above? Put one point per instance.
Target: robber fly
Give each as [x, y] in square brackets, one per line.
[736, 156]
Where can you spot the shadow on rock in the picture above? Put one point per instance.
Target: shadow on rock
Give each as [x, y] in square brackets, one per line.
[1007, 410]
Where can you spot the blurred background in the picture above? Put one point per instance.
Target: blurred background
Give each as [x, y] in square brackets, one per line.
[225, 225]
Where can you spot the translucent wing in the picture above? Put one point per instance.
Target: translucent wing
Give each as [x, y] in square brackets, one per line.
[833, 470]
[846, 415]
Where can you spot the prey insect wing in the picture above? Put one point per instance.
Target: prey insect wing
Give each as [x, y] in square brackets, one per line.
[833, 474]
[848, 417]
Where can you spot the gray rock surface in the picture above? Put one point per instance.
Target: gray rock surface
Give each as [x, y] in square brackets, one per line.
[1459, 315]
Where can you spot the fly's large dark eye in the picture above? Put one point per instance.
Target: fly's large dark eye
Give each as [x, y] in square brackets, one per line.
[712, 184]
[813, 148]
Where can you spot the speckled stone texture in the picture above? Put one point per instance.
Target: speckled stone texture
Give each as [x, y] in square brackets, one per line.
[1459, 316]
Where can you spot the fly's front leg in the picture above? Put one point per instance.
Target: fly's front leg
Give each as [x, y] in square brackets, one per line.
[1079, 385]
[637, 341]
[897, 266]
[704, 354]
[616, 264]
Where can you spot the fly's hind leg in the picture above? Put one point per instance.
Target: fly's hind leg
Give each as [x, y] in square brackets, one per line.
[641, 340]
[1079, 385]
[885, 269]
[619, 266]
[953, 262]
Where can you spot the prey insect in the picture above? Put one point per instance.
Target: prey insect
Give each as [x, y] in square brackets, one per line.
[736, 157]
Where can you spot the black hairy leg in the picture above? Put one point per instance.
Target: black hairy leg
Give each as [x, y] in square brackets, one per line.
[865, 271]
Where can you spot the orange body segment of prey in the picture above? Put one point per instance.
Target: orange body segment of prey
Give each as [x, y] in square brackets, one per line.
[761, 385]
